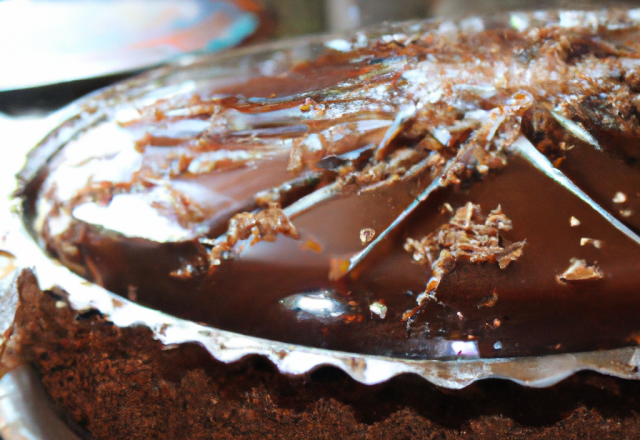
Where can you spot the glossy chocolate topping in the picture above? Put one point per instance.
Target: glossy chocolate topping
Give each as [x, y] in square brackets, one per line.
[450, 190]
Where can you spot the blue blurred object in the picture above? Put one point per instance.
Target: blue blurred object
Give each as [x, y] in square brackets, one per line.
[46, 42]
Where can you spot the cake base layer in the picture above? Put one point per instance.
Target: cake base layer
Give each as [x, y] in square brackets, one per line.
[120, 383]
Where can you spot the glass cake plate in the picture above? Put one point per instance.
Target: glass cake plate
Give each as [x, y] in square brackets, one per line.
[452, 363]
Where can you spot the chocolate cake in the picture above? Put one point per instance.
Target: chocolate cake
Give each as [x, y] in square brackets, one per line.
[121, 383]
[422, 191]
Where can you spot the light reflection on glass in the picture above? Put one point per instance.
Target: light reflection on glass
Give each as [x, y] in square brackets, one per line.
[464, 348]
[321, 304]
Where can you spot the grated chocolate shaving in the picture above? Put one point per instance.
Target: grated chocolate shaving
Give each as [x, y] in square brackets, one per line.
[401, 164]
[469, 236]
[264, 225]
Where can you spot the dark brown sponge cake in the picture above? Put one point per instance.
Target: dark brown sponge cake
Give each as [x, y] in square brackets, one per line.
[120, 383]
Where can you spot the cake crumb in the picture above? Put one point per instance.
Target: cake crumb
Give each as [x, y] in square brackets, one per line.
[635, 338]
[132, 293]
[579, 270]
[595, 243]
[7, 263]
[367, 235]
[620, 197]
[311, 245]
[626, 212]
[379, 309]
[187, 271]
[338, 267]
[574, 222]
[489, 301]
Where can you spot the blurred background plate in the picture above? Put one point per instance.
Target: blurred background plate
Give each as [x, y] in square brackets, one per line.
[44, 42]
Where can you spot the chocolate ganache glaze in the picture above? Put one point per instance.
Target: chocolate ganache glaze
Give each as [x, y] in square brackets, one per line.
[467, 190]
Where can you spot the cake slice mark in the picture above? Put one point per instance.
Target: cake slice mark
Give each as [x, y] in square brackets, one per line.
[482, 152]
[525, 149]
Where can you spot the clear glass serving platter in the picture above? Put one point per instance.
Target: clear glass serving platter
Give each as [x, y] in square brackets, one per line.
[450, 360]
